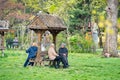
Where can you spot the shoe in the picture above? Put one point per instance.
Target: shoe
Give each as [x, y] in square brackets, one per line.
[65, 66]
[68, 65]
[56, 67]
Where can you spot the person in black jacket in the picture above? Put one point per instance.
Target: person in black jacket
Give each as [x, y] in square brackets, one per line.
[63, 52]
[31, 54]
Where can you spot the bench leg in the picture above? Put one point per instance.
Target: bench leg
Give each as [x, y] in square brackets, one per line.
[39, 61]
[51, 63]
[3, 53]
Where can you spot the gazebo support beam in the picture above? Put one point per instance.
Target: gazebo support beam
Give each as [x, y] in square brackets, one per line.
[54, 39]
[2, 43]
[39, 34]
[54, 34]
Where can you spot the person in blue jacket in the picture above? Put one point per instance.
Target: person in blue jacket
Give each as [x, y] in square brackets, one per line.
[31, 54]
[63, 52]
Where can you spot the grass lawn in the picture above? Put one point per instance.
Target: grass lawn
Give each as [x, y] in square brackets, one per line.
[82, 67]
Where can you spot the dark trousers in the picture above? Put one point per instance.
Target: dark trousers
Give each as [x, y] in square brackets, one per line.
[66, 59]
[8, 45]
[59, 59]
[27, 61]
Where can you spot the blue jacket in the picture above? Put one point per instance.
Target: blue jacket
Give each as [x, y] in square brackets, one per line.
[32, 51]
[63, 51]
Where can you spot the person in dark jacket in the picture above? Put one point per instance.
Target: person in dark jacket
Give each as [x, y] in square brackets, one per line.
[31, 54]
[63, 52]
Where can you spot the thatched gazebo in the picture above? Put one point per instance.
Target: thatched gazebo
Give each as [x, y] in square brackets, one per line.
[3, 28]
[47, 22]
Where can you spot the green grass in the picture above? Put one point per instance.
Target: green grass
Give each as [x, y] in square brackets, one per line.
[82, 67]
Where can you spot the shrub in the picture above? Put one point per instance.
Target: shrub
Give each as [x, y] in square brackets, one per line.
[80, 43]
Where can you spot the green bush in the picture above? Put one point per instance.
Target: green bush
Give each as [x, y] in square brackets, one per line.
[80, 43]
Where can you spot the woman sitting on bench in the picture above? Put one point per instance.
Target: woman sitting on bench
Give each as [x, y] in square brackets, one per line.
[31, 54]
[54, 56]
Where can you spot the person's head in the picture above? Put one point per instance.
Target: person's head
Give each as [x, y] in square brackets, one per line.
[34, 44]
[62, 45]
[47, 34]
[16, 38]
[52, 45]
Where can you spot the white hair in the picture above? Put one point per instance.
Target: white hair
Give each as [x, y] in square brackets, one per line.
[63, 44]
[52, 44]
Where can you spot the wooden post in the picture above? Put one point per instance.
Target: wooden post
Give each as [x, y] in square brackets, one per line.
[39, 34]
[31, 36]
[54, 39]
[54, 34]
[2, 43]
[39, 41]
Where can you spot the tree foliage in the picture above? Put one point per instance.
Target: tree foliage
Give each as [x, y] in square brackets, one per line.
[79, 15]
[8, 6]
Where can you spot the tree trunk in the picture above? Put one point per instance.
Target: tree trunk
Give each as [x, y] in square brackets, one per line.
[110, 46]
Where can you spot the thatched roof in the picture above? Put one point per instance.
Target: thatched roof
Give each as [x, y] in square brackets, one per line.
[47, 22]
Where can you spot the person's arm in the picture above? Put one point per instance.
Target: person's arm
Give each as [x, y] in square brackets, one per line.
[54, 52]
[59, 51]
[66, 51]
[28, 50]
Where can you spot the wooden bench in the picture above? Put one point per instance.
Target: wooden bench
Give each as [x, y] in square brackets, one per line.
[31, 59]
[51, 62]
[43, 58]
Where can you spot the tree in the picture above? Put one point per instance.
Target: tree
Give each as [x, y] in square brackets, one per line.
[79, 16]
[111, 29]
[8, 6]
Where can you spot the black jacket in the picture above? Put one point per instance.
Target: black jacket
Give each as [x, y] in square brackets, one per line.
[63, 51]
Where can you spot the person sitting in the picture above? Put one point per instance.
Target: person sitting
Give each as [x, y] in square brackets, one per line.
[63, 52]
[31, 54]
[15, 43]
[54, 56]
[9, 43]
